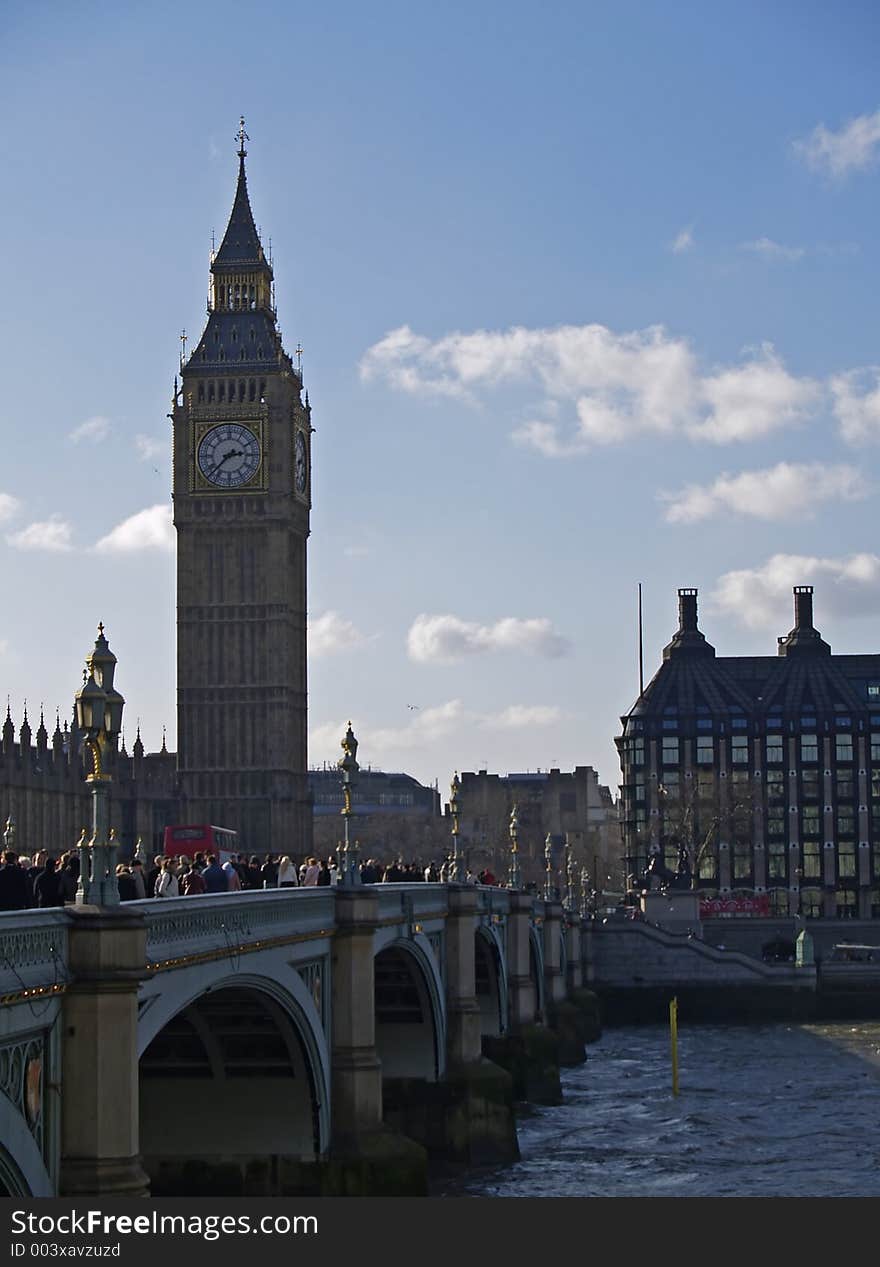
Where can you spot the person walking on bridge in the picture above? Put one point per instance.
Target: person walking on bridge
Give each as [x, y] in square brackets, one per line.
[14, 889]
[166, 884]
[215, 877]
[287, 874]
[47, 889]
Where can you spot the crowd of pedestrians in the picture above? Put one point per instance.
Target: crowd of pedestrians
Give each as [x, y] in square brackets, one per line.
[38, 881]
[45, 881]
[171, 877]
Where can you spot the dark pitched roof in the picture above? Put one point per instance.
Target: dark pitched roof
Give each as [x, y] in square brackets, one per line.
[241, 242]
[233, 342]
[804, 677]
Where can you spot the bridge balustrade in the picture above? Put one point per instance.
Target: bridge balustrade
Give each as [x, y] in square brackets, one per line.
[178, 928]
[33, 953]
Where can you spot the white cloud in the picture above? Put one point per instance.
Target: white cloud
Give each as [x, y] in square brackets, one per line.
[9, 507]
[544, 436]
[424, 727]
[771, 250]
[427, 726]
[857, 404]
[148, 448]
[786, 491]
[330, 633]
[51, 534]
[618, 384]
[761, 597]
[755, 399]
[683, 241]
[447, 639]
[150, 529]
[854, 147]
[519, 716]
[93, 430]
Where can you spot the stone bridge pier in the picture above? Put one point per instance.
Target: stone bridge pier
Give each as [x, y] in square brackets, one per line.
[99, 1067]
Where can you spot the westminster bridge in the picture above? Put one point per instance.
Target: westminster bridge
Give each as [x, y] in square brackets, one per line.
[284, 1041]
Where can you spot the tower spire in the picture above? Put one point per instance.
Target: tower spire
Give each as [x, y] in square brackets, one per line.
[241, 137]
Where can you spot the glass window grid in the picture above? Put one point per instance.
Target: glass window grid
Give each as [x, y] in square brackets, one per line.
[776, 823]
[812, 864]
[810, 785]
[846, 903]
[671, 753]
[777, 860]
[811, 903]
[846, 859]
[810, 822]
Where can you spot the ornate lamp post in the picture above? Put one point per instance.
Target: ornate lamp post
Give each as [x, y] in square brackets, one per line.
[349, 871]
[99, 717]
[514, 880]
[457, 867]
[570, 879]
[585, 892]
[549, 883]
[9, 834]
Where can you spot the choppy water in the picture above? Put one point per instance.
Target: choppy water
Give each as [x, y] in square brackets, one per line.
[771, 1110]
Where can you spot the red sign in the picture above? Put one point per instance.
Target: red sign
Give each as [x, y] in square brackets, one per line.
[759, 905]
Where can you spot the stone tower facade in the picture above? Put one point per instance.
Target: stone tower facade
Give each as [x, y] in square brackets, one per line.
[242, 495]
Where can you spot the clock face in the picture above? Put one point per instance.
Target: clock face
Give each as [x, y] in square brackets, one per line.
[229, 455]
[301, 466]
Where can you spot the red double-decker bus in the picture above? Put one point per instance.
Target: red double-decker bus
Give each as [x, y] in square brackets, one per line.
[189, 839]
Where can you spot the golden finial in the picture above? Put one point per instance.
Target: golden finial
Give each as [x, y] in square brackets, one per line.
[241, 138]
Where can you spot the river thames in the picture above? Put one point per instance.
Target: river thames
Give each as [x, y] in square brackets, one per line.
[765, 1110]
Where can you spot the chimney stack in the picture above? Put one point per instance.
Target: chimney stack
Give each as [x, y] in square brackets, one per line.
[804, 638]
[803, 607]
[687, 611]
[687, 638]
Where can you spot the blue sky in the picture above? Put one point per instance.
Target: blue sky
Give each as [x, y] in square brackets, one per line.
[587, 296]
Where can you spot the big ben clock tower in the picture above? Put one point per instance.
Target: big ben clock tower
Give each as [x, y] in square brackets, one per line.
[242, 494]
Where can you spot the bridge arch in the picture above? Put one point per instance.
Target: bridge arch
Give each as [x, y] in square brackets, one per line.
[241, 1066]
[490, 971]
[23, 1171]
[536, 970]
[410, 1009]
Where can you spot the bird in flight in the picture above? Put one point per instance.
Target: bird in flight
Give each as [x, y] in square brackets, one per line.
[412, 706]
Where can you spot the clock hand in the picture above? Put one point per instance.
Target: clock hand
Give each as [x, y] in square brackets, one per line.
[233, 453]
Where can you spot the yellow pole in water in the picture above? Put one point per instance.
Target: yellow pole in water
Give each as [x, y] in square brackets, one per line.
[673, 1035]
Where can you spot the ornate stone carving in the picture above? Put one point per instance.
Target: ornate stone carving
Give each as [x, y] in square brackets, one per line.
[22, 1077]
